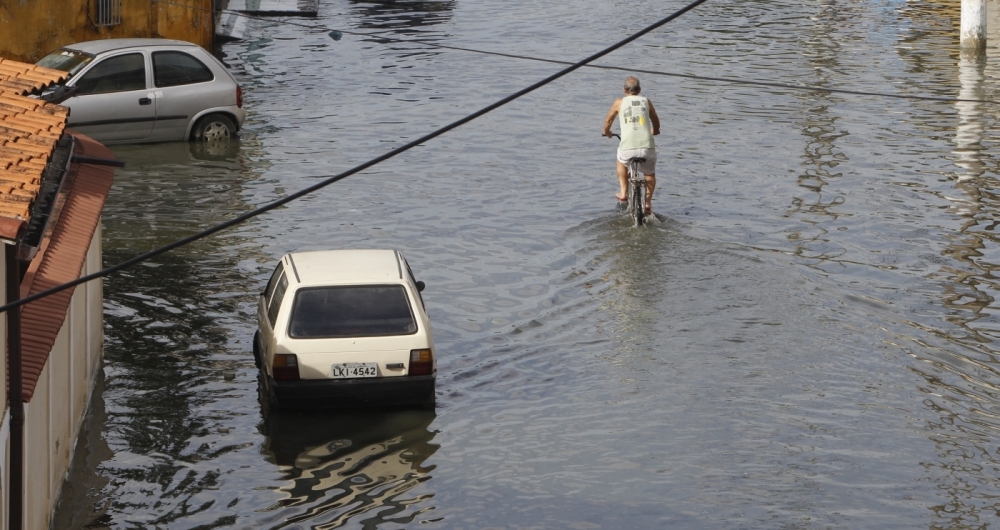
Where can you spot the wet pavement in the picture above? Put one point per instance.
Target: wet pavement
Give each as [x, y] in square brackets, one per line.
[807, 337]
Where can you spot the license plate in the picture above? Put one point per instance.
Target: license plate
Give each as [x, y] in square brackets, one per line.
[352, 370]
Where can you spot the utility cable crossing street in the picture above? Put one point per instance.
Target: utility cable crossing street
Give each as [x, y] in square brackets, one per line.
[336, 33]
[336, 178]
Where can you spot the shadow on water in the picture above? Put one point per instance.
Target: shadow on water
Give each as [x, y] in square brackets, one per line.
[343, 467]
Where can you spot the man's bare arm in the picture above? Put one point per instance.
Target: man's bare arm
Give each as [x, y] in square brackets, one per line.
[654, 118]
[611, 116]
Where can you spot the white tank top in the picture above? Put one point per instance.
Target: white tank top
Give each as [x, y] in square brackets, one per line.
[637, 129]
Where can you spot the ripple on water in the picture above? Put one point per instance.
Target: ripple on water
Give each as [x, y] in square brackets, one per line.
[806, 338]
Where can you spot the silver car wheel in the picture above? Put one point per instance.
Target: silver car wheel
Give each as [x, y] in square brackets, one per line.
[214, 128]
[216, 131]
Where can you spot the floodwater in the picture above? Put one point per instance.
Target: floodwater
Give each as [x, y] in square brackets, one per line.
[806, 338]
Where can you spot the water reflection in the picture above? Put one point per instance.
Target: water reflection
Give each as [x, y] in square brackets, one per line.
[971, 301]
[960, 362]
[169, 323]
[401, 14]
[819, 125]
[339, 468]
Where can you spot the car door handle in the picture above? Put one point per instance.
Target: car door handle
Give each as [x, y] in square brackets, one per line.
[145, 101]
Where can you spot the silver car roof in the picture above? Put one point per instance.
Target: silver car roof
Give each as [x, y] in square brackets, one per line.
[97, 47]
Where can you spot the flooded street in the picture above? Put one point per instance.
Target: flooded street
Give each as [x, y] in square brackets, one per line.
[807, 338]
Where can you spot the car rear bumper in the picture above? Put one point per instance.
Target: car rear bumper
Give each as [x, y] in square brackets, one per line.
[355, 393]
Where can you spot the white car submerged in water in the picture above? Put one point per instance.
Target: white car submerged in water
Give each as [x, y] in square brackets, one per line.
[344, 328]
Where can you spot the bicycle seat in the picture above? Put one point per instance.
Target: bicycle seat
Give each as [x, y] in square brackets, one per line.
[638, 159]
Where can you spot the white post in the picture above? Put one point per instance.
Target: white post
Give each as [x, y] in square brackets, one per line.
[973, 36]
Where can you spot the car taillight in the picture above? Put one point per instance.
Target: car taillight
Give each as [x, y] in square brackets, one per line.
[285, 367]
[239, 96]
[421, 362]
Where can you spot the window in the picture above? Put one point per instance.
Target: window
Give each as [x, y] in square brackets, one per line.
[414, 280]
[269, 290]
[66, 60]
[115, 74]
[107, 12]
[276, 298]
[178, 68]
[355, 311]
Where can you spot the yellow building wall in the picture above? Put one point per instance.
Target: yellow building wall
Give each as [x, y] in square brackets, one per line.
[29, 30]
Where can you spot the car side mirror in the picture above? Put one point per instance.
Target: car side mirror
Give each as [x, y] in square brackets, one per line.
[421, 286]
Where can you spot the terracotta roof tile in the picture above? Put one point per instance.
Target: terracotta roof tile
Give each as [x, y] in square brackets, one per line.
[29, 130]
[14, 183]
[20, 102]
[26, 155]
[13, 211]
[32, 119]
[24, 140]
[20, 129]
[23, 78]
[61, 258]
[15, 180]
[13, 70]
[27, 147]
[58, 75]
[19, 82]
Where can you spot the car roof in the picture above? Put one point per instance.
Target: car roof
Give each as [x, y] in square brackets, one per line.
[345, 266]
[106, 45]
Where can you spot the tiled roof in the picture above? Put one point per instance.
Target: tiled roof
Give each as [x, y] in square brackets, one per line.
[61, 258]
[29, 130]
[23, 78]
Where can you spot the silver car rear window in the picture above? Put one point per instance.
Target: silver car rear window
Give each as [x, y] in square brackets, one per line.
[173, 68]
[351, 311]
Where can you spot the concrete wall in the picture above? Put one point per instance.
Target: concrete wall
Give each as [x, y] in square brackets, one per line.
[59, 404]
[29, 29]
[5, 425]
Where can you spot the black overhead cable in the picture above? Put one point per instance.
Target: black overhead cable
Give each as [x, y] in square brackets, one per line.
[731, 80]
[330, 180]
[657, 72]
[605, 67]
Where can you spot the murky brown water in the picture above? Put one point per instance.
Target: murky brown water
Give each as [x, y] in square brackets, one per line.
[806, 339]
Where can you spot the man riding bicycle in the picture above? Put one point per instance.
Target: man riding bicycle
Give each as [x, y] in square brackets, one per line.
[639, 123]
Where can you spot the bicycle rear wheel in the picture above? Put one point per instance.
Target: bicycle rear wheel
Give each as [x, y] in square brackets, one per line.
[635, 202]
[637, 194]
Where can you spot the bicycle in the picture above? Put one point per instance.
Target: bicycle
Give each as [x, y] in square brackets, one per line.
[636, 194]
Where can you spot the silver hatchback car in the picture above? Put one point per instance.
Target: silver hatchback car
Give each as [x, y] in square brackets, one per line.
[148, 90]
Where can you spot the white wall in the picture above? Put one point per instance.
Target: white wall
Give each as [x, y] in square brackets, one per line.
[59, 404]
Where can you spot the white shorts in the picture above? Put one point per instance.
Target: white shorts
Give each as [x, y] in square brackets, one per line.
[646, 168]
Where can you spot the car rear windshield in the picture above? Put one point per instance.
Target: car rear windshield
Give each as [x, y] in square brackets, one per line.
[352, 311]
[66, 60]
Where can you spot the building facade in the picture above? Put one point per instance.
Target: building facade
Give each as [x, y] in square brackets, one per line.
[30, 30]
[53, 186]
